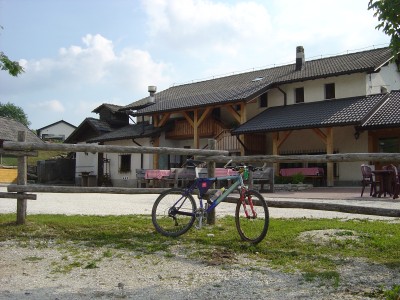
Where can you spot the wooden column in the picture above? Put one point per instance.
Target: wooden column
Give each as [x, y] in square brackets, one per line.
[329, 150]
[211, 173]
[278, 139]
[327, 138]
[198, 119]
[196, 142]
[22, 180]
[156, 155]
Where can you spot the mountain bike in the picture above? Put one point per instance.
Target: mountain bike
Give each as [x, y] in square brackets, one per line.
[175, 210]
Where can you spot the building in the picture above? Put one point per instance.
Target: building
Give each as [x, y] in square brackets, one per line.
[56, 132]
[340, 104]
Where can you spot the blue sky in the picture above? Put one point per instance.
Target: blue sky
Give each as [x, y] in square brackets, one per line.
[79, 54]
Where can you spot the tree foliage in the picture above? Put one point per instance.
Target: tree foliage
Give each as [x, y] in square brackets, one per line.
[388, 13]
[13, 67]
[14, 112]
[6, 64]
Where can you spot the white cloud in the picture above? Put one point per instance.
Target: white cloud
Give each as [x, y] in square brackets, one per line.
[50, 106]
[89, 65]
[193, 26]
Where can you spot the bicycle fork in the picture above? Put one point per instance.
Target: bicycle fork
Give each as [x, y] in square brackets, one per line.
[250, 203]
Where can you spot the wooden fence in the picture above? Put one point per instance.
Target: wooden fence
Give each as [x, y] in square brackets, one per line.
[22, 149]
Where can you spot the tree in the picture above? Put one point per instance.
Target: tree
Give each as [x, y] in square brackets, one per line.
[14, 112]
[13, 67]
[388, 13]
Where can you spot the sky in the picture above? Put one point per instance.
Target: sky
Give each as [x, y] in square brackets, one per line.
[79, 54]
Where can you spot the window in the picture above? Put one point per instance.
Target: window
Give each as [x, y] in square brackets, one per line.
[330, 91]
[264, 100]
[299, 95]
[389, 145]
[125, 163]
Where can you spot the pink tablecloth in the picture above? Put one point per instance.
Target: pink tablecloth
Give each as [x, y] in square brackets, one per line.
[221, 172]
[156, 174]
[304, 171]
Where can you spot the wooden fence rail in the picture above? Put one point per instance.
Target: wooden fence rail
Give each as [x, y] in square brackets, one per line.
[22, 149]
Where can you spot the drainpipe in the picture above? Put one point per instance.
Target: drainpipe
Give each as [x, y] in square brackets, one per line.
[284, 96]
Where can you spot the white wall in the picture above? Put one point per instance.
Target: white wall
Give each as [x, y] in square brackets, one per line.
[58, 129]
[388, 77]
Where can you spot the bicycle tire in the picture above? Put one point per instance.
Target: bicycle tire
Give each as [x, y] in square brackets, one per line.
[170, 224]
[250, 229]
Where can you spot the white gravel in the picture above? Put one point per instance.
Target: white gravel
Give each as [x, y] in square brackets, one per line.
[32, 271]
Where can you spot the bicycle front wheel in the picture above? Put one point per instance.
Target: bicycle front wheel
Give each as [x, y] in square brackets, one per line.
[173, 212]
[252, 217]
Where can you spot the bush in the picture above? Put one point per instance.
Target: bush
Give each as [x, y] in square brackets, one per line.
[296, 178]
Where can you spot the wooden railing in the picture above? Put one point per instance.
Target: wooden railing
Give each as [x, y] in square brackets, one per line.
[22, 149]
[183, 130]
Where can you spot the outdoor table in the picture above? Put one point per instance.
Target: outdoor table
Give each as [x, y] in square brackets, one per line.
[384, 182]
[156, 175]
[313, 171]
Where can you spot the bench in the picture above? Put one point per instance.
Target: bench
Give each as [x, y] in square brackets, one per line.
[264, 176]
[314, 173]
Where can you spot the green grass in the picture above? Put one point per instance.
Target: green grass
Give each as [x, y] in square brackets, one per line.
[377, 241]
[32, 160]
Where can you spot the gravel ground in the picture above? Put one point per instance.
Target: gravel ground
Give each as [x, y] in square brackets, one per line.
[33, 272]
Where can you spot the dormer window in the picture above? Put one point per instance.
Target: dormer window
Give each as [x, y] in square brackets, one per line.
[299, 95]
[257, 79]
[330, 91]
[264, 100]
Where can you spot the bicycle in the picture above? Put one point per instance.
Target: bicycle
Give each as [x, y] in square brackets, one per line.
[175, 211]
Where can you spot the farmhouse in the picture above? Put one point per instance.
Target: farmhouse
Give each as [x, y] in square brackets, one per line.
[57, 131]
[340, 104]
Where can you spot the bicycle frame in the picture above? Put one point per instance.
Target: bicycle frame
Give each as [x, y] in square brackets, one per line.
[238, 182]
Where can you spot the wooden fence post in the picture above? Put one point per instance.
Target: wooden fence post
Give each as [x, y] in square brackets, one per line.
[22, 180]
[211, 173]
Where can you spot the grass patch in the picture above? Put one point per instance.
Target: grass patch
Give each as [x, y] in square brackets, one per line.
[376, 241]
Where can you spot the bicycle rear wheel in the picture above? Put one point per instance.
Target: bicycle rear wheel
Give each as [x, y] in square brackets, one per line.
[173, 212]
[254, 226]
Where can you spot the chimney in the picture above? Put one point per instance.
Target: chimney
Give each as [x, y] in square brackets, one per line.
[299, 58]
[152, 90]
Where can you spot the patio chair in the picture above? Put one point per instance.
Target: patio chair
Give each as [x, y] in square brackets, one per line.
[367, 180]
[394, 181]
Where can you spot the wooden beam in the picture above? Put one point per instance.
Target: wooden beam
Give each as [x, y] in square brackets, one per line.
[322, 158]
[234, 113]
[352, 209]
[164, 119]
[18, 153]
[188, 118]
[17, 196]
[282, 138]
[204, 115]
[93, 148]
[321, 134]
[76, 189]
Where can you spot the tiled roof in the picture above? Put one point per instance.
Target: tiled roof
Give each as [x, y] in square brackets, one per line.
[326, 113]
[55, 123]
[247, 86]
[9, 131]
[388, 115]
[95, 126]
[128, 132]
[111, 107]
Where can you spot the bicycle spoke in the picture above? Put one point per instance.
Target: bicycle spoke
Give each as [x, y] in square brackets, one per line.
[173, 214]
[252, 217]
